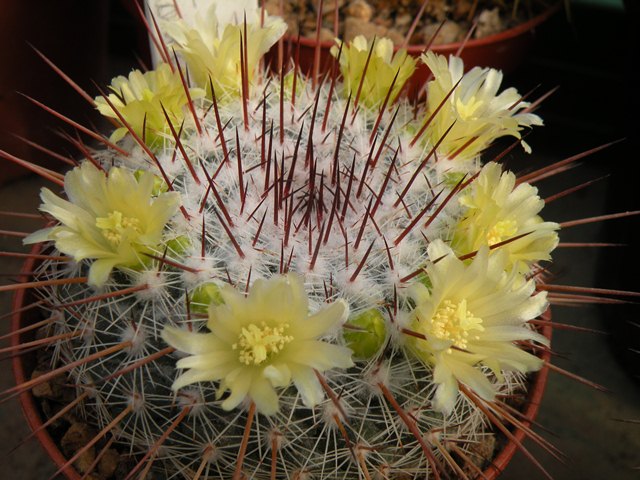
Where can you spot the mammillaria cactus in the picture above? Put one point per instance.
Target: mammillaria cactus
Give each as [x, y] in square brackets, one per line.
[277, 276]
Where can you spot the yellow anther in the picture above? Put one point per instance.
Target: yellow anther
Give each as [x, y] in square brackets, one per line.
[454, 322]
[467, 110]
[257, 343]
[502, 231]
[114, 224]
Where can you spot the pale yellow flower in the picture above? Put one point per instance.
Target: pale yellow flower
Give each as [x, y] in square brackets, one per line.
[495, 211]
[140, 98]
[471, 317]
[381, 70]
[112, 220]
[263, 341]
[475, 106]
[210, 43]
[226, 12]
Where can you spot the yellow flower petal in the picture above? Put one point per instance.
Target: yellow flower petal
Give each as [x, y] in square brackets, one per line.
[381, 70]
[140, 100]
[323, 321]
[210, 44]
[263, 341]
[307, 384]
[188, 342]
[278, 374]
[472, 316]
[238, 386]
[475, 109]
[112, 220]
[100, 270]
[265, 397]
[497, 210]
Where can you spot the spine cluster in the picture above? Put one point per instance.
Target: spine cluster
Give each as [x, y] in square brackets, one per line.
[258, 277]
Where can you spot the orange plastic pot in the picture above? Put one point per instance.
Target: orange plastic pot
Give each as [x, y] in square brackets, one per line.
[23, 365]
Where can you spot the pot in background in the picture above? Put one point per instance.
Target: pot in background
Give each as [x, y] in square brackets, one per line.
[503, 51]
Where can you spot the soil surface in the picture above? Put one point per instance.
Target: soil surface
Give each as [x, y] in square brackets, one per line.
[442, 21]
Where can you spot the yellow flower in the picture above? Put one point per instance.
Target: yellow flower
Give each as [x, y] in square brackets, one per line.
[261, 342]
[210, 43]
[382, 68]
[140, 98]
[471, 318]
[112, 220]
[476, 107]
[495, 211]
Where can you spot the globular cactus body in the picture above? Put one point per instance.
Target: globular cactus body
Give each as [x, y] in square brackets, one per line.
[294, 177]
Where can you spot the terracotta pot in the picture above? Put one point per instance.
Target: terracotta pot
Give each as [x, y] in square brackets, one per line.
[23, 365]
[504, 51]
[534, 399]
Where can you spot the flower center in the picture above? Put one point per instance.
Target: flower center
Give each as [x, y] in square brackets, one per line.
[467, 109]
[454, 322]
[114, 224]
[502, 230]
[257, 343]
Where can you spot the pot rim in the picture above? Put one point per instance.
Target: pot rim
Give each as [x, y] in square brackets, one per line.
[534, 400]
[27, 400]
[34, 419]
[500, 37]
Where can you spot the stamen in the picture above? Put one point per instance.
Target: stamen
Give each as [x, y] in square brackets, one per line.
[256, 344]
[454, 322]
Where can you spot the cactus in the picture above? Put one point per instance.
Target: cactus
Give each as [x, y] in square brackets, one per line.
[395, 277]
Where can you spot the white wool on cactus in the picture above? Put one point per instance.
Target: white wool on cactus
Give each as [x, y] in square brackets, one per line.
[280, 255]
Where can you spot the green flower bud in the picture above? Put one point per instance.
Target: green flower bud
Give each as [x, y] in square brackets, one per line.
[159, 185]
[424, 279]
[365, 333]
[451, 179]
[287, 84]
[179, 245]
[203, 296]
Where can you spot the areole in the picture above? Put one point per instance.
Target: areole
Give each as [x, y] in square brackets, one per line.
[25, 314]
